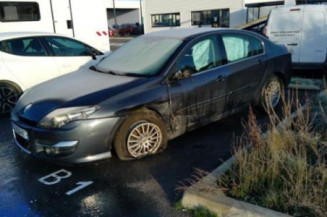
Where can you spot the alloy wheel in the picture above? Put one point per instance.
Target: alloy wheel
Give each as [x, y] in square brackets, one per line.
[144, 138]
[273, 93]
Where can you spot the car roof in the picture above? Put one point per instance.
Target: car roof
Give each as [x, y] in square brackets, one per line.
[183, 33]
[12, 35]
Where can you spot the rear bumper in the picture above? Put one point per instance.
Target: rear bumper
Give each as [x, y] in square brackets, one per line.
[78, 142]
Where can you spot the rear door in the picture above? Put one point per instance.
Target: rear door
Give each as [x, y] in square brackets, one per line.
[62, 17]
[247, 65]
[313, 47]
[201, 92]
[285, 27]
[70, 54]
[28, 61]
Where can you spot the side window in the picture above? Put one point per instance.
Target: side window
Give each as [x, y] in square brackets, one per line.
[239, 47]
[24, 47]
[256, 46]
[201, 56]
[61, 46]
[19, 11]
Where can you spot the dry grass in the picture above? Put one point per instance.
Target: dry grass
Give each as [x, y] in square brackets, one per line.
[286, 168]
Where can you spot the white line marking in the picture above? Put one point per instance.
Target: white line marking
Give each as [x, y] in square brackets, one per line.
[80, 187]
[55, 177]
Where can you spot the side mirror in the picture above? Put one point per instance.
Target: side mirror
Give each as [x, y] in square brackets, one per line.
[94, 55]
[186, 73]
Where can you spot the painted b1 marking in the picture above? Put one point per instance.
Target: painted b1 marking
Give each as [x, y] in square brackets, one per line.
[80, 187]
[55, 177]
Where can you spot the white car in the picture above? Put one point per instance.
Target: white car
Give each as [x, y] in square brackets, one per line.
[29, 58]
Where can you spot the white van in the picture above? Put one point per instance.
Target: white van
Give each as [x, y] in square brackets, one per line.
[302, 29]
[83, 20]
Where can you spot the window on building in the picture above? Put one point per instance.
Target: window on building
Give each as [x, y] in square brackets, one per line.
[19, 11]
[304, 2]
[163, 20]
[254, 13]
[220, 16]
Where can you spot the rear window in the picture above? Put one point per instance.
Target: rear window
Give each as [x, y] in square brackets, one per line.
[19, 11]
[239, 46]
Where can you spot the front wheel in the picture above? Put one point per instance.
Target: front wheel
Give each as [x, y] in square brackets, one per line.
[271, 93]
[143, 133]
[9, 95]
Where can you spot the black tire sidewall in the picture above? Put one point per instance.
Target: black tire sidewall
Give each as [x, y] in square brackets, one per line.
[126, 127]
[15, 88]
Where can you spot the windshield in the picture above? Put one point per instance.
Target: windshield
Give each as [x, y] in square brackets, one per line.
[143, 56]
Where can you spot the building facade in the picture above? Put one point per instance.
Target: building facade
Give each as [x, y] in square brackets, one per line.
[123, 12]
[167, 14]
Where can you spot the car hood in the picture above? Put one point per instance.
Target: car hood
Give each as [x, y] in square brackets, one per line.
[81, 88]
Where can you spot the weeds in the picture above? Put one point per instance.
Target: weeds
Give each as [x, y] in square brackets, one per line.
[286, 168]
[197, 176]
[196, 212]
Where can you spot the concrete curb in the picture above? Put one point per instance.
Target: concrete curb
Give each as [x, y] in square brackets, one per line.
[216, 201]
[206, 194]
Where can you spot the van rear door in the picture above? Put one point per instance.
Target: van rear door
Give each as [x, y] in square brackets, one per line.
[62, 18]
[285, 27]
[313, 49]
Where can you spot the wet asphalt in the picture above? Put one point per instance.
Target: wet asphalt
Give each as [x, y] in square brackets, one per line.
[145, 187]
[141, 188]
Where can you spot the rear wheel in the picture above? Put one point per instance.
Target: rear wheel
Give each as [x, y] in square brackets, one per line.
[143, 133]
[9, 95]
[272, 93]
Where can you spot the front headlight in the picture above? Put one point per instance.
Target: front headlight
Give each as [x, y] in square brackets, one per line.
[60, 117]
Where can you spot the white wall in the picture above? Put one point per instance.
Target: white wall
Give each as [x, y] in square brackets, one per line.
[259, 1]
[125, 4]
[185, 7]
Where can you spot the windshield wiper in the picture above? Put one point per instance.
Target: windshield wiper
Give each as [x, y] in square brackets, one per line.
[96, 69]
[105, 72]
[129, 74]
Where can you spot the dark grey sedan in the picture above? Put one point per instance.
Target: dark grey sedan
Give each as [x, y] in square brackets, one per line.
[153, 89]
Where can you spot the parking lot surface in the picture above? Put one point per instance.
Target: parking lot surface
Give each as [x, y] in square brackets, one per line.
[111, 188]
[116, 42]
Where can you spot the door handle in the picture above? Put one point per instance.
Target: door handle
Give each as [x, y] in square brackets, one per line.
[293, 44]
[221, 78]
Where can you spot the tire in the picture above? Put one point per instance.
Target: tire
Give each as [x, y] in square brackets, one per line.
[9, 95]
[133, 139]
[271, 93]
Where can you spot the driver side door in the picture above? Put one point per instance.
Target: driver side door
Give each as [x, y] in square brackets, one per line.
[198, 88]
